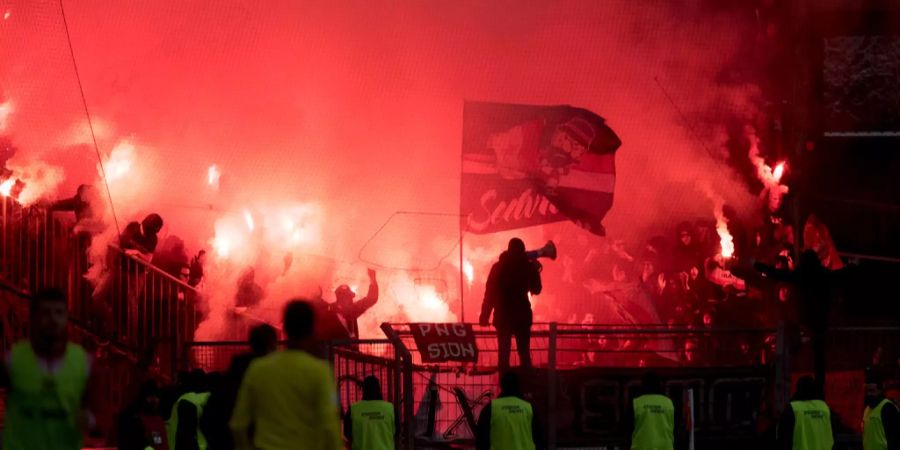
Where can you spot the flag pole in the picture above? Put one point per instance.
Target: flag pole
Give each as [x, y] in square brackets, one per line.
[462, 284]
[461, 218]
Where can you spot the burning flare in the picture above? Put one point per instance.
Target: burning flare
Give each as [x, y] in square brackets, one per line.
[6, 186]
[5, 110]
[469, 272]
[212, 176]
[119, 163]
[779, 171]
[726, 241]
[430, 298]
[769, 177]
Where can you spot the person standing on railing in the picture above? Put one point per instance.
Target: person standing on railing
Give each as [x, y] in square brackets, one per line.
[508, 422]
[47, 380]
[651, 417]
[289, 396]
[506, 292]
[807, 424]
[815, 286]
[349, 311]
[881, 420]
[369, 423]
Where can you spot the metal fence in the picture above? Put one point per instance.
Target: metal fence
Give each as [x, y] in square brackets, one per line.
[580, 401]
[135, 305]
[35, 247]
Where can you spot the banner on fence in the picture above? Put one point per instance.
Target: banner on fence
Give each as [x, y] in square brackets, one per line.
[442, 342]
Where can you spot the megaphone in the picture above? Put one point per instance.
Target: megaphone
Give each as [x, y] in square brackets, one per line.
[547, 251]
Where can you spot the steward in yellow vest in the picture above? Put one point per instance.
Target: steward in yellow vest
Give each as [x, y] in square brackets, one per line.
[806, 424]
[652, 417]
[369, 424]
[881, 422]
[47, 381]
[183, 426]
[508, 422]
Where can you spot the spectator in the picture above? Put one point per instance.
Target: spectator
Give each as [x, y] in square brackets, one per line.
[196, 269]
[328, 326]
[171, 256]
[289, 396]
[348, 311]
[141, 427]
[263, 340]
[814, 287]
[142, 237]
[686, 254]
[87, 206]
[509, 283]
[249, 292]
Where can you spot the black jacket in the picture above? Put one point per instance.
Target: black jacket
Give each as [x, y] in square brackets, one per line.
[506, 292]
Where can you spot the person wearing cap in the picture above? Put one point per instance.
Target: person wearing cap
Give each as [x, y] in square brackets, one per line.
[349, 311]
[508, 422]
[807, 424]
[881, 420]
[506, 292]
[651, 417]
[369, 424]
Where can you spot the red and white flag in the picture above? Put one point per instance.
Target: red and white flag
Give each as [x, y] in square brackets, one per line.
[529, 165]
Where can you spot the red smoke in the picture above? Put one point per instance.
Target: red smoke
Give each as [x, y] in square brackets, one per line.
[341, 114]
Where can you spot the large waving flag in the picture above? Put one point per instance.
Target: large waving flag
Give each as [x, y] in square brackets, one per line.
[530, 165]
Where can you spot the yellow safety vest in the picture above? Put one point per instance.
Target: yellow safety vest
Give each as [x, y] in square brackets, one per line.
[373, 425]
[42, 409]
[199, 401]
[511, 419]
[654, 423]
[874, 437]
[812, 425]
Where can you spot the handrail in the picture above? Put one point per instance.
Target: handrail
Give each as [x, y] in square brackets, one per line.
[153, 268]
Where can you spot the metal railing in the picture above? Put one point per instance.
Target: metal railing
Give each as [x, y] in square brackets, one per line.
[139, 305]
[34, 247]
[135, 305]
[444, 399]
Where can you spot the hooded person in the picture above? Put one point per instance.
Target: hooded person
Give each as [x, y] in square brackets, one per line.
[508, 286]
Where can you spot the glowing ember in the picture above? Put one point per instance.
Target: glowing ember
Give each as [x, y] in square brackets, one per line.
[212, 176]
[6, 15]
[779, 171]
[248, 219]
[6, 187]
[469, 272]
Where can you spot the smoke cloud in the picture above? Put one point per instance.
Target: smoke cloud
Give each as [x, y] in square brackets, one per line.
[323, 120]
